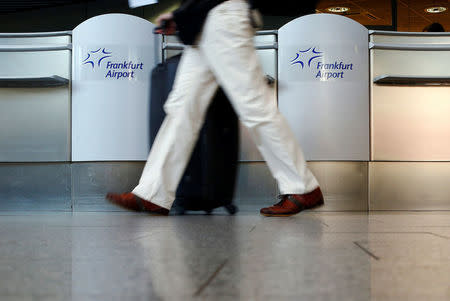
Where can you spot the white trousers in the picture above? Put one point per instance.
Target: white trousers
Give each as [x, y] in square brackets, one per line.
[225, 56]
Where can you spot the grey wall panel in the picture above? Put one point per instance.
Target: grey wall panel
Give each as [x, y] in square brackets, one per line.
[172, 40]
[38, 63]
[255, 185]
[34, 124]
[410, 123]
[247, 148]
[49, 186]
[91, 182]
[409, 185]
[344, 185]
[62, 39]
[412, 63]
[35, 187]
[427, 39]
[268, 57]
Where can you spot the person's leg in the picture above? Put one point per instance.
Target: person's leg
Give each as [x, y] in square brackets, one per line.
[186, 107]
[227, 44]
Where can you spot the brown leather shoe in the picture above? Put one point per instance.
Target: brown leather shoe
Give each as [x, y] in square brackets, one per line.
[132, 202]
[291, 204]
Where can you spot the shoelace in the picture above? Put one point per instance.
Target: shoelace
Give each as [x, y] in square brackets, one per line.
[281, 197]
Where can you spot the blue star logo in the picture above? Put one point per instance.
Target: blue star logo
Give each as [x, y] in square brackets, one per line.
[306, 56]
[96, 56]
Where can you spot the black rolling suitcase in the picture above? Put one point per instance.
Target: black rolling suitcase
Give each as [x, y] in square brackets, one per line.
[210, 176]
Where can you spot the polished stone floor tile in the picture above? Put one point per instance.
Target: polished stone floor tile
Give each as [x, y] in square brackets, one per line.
[311, 256]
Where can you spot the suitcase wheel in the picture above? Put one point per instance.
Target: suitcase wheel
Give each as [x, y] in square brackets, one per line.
[180, 211]
[232, 209]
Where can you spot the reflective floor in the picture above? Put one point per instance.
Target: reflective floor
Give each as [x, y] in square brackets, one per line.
[312, 256]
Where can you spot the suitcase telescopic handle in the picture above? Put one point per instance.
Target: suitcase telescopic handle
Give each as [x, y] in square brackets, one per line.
[161, 28]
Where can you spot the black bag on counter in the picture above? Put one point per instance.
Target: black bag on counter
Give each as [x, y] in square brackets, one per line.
[191, 16]
[291, 8]
[209, 179]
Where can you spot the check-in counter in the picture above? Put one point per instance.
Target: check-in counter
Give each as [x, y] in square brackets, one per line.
[113, 55]
[35, 97]
[322, 86]
[410, 128]
[410, 97]
[323, 92]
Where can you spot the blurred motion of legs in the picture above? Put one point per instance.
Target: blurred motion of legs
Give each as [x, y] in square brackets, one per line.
[225, 56]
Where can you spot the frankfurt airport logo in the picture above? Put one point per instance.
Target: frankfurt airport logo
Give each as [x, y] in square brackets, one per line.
[95, 57]
[313, 60]
[100, 59]
[308, 55]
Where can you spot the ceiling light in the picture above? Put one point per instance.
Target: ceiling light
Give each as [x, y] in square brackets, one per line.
[338, 9]
[435, 9]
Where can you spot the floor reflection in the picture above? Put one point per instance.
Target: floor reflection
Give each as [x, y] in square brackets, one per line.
[312, 256]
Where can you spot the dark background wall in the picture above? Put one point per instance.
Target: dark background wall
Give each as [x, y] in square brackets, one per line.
[56, 15]
[67, 16]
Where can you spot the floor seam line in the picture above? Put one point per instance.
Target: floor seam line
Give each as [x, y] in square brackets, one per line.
[326, 225]
[210, 279]
[438, 235]
[366, 251]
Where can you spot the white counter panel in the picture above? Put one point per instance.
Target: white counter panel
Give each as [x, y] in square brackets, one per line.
[113, 56]
[323, 86]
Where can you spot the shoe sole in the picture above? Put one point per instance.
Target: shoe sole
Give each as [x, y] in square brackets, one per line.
[111, 201]
[135, 209]
[291, 214]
